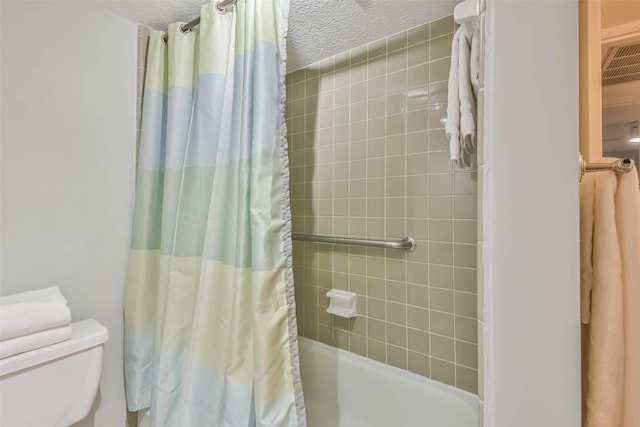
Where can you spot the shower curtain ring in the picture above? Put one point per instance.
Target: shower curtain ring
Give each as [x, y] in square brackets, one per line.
[223, 5]
[221, 9]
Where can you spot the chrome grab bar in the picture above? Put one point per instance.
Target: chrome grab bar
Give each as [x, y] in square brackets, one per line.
[407, 243]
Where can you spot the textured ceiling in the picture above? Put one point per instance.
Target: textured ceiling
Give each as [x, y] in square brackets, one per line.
[317, 28]
[322, 28]
[156, 14]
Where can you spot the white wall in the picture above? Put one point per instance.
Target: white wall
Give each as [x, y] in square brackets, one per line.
[67, 164]
[531, 251]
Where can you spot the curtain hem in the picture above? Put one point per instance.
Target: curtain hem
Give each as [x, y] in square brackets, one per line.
[287, 247]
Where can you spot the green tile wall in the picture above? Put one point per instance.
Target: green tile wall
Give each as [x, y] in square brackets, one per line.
[369, 158]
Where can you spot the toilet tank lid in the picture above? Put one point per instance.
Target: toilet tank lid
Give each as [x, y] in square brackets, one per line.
[85, 334]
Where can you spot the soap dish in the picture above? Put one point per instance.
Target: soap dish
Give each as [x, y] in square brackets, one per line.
[342, 303]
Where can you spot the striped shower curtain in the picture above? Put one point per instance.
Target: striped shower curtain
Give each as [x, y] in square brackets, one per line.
[210, 329]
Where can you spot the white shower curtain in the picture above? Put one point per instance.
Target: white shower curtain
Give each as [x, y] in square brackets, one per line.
[210, 328]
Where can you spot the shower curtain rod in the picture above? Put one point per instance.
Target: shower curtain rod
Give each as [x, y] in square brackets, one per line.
[221, 6]
[619, 166]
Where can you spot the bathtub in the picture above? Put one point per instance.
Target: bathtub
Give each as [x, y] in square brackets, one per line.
[342, 389]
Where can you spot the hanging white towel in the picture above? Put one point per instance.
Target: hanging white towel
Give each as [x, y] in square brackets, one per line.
[31, 312]
[628, 218]
[610, 287]
[33, 341]
[464, 83]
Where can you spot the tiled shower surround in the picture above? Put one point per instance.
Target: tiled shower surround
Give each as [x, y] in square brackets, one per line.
[369, 158]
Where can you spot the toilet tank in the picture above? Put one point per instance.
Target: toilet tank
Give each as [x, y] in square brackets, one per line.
[53, 386]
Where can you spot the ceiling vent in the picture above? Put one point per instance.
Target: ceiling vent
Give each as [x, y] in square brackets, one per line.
[621, 64]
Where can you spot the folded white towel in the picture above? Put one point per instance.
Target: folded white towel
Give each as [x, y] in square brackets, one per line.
[464, 82]
[33, 341]
[26, 318]
[31, 312]
[47, 294]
